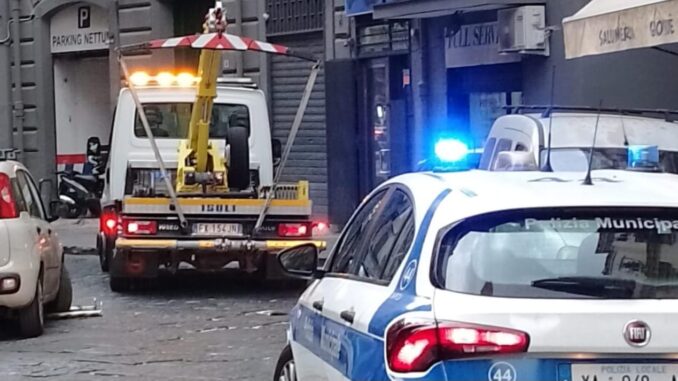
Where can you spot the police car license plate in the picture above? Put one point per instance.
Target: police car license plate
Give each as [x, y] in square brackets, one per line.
[217, 229]
[624, 372]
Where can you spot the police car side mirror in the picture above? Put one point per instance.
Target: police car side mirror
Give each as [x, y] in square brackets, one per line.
[299, 261]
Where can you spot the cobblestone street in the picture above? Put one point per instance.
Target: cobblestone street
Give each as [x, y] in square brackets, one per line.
[192, 327]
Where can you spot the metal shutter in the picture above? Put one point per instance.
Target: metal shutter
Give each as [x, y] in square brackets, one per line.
[308, 159]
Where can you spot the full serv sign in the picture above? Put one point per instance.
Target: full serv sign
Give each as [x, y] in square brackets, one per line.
[79, 28]
[475, 45]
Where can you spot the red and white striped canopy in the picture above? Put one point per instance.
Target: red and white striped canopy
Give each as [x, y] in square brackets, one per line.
[218, 41]
[224, 41]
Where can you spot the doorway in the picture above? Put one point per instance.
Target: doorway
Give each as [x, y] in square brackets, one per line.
[81, 106]
[383, 119]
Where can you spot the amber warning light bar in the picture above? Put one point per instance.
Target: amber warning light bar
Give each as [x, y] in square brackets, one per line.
[164, 79]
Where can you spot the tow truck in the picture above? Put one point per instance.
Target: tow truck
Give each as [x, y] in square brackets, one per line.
[193, 176]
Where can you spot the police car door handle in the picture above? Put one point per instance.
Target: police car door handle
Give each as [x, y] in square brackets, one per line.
[318, 305]
[348, 316]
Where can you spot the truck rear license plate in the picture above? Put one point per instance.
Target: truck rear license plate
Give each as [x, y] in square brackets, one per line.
[217, 229]
[624, 372]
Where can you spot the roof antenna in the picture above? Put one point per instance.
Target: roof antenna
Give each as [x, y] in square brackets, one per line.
[547, 166]
[587, 180]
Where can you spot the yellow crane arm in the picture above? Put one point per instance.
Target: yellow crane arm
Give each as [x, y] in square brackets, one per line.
[201, 115]
[201, 168]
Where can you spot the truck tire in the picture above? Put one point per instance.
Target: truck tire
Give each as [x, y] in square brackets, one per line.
[239, 165]
[64, 298]
[32, 317]
[104, 252]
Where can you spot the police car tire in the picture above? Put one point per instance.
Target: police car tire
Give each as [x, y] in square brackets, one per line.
[283, 360]
[239, 165]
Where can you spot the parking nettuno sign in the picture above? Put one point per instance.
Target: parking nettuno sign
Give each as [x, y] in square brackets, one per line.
[79, 28]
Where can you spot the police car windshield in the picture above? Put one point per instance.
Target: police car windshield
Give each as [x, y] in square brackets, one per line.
[576, 159]
[171, 120]
[565, 253]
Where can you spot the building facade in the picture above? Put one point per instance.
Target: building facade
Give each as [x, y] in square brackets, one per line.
[60, 73]
[430, 68]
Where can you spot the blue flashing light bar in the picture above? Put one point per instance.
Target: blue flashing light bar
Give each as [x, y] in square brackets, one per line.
[643, 157]
[450, 150]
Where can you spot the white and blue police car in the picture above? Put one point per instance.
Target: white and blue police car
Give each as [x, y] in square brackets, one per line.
[497, 276]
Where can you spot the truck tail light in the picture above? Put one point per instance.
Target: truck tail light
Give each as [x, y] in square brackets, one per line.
[415, 346]
[320, 228]
[141, 227]
[7, 204]
[294, 230]
[108, 222]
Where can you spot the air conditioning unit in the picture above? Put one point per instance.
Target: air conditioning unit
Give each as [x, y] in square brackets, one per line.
[523, 30]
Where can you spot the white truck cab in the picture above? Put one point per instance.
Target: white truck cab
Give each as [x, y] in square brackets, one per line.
[168, 110]
[573, 135]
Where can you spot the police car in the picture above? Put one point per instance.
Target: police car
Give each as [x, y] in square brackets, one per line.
[497, 276]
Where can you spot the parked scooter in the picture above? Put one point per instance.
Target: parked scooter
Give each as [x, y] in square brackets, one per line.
[80, 192]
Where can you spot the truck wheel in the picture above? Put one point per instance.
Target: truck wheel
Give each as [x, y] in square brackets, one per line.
[120, 284]
[104, 252]
[239, 166]
[64, 298]
[32, 317]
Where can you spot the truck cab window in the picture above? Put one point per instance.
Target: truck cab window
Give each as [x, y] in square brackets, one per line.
[171, 120]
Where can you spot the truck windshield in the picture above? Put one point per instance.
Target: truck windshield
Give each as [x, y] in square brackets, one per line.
[171, 120]
[576, 159]
[584, 253]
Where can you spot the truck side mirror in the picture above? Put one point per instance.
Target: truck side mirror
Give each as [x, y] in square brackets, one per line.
[276, 144]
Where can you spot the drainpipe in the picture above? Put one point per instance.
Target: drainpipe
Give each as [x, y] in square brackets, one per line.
[16, 76]
[6, 134]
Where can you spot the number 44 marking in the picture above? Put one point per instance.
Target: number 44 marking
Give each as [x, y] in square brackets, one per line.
[502, 371]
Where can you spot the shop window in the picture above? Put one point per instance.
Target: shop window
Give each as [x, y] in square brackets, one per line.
[383, 38]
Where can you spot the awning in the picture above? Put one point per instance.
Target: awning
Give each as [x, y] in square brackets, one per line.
[605, 26]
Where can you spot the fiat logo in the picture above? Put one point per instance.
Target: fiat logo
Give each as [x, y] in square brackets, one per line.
[637, 333]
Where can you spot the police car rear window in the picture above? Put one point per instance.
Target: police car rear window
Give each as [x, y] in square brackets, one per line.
[564, 253]
[171, 120]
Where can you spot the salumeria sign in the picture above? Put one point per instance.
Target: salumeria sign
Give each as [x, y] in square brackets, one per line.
[79, 28]
[636, 27]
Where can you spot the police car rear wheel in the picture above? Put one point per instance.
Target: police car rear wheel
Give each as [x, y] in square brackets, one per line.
[285, 370]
